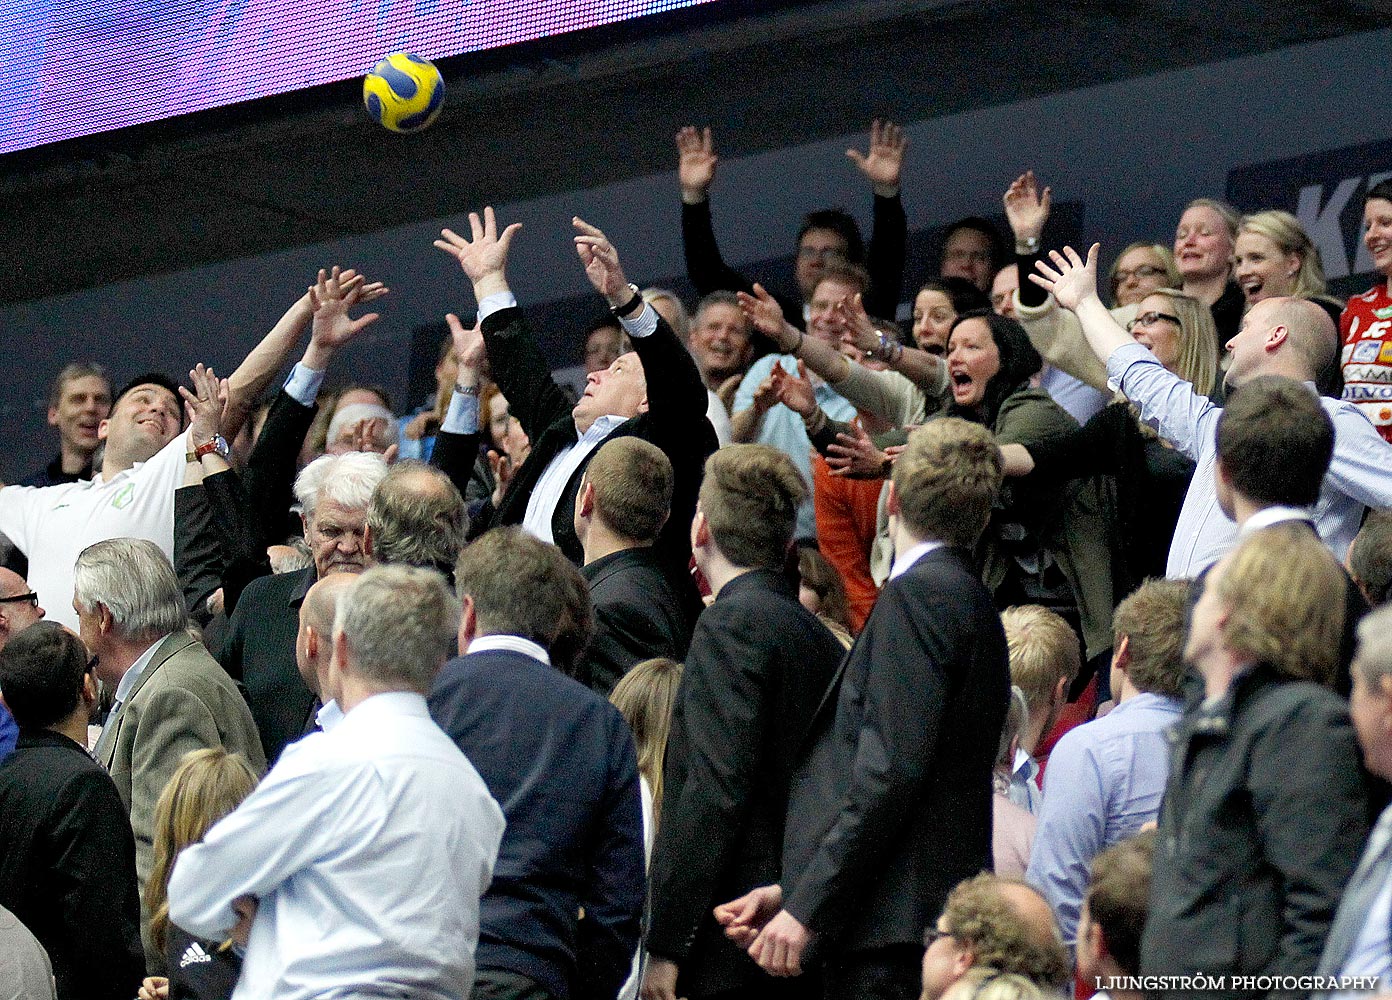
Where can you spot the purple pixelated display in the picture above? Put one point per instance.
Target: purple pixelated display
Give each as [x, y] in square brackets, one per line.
[76, 67]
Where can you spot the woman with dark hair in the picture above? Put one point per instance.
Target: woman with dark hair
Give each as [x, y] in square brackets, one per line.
[1363, 327]
[1046, 543]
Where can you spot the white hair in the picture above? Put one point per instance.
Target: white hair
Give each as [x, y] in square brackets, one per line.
[131, 578]
[353, 413]
[400, 624]
[348, 480]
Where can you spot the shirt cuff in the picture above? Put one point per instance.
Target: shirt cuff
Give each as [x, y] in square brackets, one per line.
[303, 384]
[643, 324]
[1121, 359]
[495, 302]
[462, 415]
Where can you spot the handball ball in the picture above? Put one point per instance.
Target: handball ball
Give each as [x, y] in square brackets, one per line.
[404, 92]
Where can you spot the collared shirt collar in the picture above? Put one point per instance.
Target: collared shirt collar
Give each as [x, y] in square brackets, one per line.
[903, 563]
[601, 428]
[1268, 516]
[1023, 764]
[509, 644]
[123, 689]
[329, 715]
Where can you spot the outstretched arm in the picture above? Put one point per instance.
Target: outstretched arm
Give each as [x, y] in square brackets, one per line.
[1073, 283]
[927, 371]
[1027, 209]
[882, 166]
[456, 446]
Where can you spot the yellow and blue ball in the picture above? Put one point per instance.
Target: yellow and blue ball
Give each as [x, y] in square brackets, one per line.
[404, 92]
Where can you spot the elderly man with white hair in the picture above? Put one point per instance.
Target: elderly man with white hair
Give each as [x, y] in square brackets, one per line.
[333, 493]
[356, 868]
[171, 696]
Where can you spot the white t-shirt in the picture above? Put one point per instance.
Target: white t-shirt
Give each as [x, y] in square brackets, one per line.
[53, 524]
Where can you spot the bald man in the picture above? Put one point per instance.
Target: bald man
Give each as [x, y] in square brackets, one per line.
[314, 645]
[1279, 336]
[19, 608]
[997, 923]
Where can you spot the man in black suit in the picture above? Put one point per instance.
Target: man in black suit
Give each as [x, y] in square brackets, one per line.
[758, 666]
[653, 392]
[334, 492]
[625, 496]
[67, 854]
[560, 761]
[891, 804]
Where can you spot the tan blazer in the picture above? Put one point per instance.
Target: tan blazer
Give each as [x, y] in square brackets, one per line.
[182, 701]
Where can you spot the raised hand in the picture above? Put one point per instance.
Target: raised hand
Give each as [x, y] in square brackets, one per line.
[503, 470]
[743, 918]
[795, 391]
[601, 262]
[331, 296]
[885, 160]
[696, 162]
[854, 323]
[468, 347]
[1072, 280]
[855, 456]
[1026, 208]
[766, 315]
[205, 404]
[483, 257]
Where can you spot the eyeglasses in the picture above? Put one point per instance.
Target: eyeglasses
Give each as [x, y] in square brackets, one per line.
[932, 935]
[30, 597]
[92, 662]
[1124, 275]
[1150, 319]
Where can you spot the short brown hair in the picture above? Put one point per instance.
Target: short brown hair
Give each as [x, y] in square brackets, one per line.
[1119, 895]
[519, 585]
[632, 482]
[1278, 586]
[750, 497]
[1370, 557]
[417, 518]
[846, 273]
[979, 915]
[1043, 651]
[820, 575]
[1275, 441]
[1152, 618]
[946, 480]
[72, 372]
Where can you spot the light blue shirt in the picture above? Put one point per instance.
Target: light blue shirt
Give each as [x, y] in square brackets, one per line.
[368, 847]
[1080, 400]
[1360, 473]
[1104, 782]
[783, 428]
[128, 679]
[1024, 788]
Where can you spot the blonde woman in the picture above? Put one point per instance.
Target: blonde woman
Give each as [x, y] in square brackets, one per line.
[207, 785]
[1141, 269]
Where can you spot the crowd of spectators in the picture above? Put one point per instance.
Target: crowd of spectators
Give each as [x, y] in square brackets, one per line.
[1037, 647]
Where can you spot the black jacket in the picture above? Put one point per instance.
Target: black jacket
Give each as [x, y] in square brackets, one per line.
[559, 760]
[891, 806]
[638, 615]
[67, 866]
[675, 422]
[1263, 822]
[260, 652]
[757, 669]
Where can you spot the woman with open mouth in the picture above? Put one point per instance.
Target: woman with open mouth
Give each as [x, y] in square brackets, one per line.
[1047, 541]
[1366, 324]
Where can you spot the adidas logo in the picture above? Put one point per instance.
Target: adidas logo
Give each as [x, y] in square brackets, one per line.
[193, 955]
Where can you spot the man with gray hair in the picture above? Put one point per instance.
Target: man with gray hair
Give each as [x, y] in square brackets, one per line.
[317, 868]
[333, 493]
[171, 696]
[416, 518]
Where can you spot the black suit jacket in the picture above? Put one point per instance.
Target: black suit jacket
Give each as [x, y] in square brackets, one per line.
[675, 422]
[758, 666]
[67, 866]
[560, 761]
[260, 652]
[891, 806]
[638, 615]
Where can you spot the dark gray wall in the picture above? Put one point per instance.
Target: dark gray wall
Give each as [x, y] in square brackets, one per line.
[1131, 153]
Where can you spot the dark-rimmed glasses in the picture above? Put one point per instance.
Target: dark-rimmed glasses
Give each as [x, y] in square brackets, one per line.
[1150, 318]
[30, 597]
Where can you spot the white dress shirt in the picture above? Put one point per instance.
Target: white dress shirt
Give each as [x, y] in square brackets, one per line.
[368, 847]
[1360, 473]
[903, 563]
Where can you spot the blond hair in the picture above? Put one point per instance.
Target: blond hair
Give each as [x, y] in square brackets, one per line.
[1276, 587]
[982, 982]
[1043, 651]
[1198, 340]
[206, 786]
[1151, 619]
[750, 496]
[1290, 237]
[946, 480]
[1002, 936]
[644, 697]
[1166, 255]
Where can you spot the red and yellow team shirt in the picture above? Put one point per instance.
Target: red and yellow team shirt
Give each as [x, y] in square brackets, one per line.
[1366, 330]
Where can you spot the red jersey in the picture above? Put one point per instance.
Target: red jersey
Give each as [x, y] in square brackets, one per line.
[1365, 327]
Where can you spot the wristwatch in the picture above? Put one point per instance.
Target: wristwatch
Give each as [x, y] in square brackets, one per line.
[631, 304]
[216, 445]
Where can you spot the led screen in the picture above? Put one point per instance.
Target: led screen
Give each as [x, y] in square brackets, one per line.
[77, 67]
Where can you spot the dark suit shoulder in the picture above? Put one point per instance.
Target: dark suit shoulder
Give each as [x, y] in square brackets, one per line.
[515, 676]
[271, 589]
